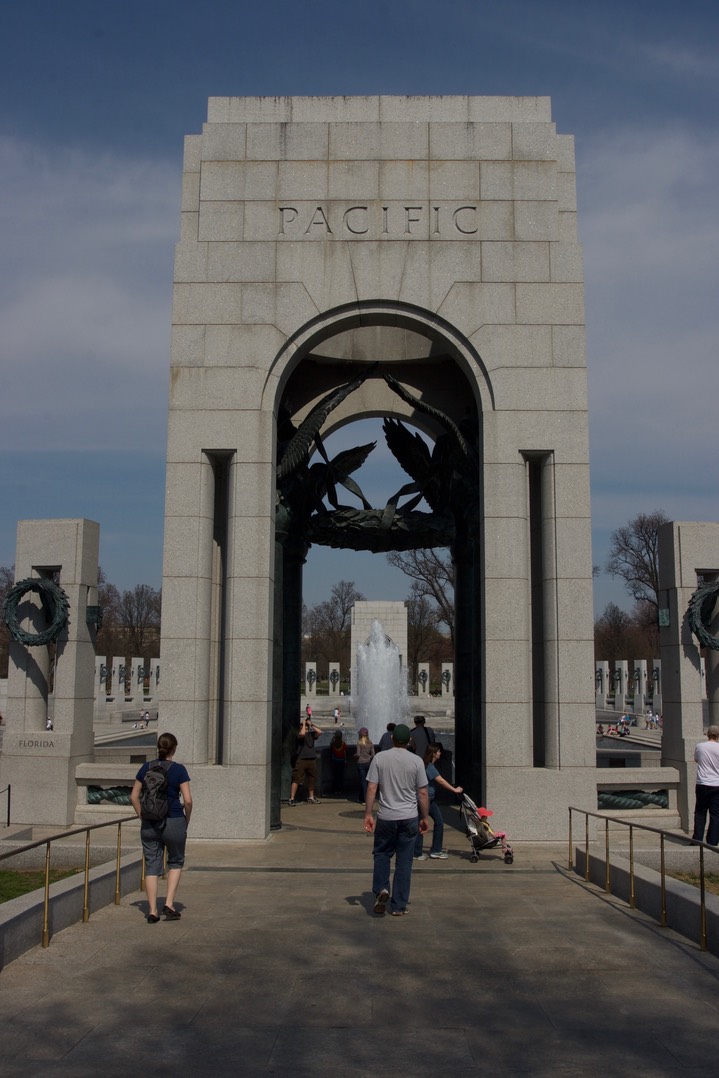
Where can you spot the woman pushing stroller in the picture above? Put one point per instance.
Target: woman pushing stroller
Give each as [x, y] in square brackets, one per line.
[437, 852]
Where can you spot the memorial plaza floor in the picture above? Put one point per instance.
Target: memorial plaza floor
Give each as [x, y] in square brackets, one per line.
[279, 967]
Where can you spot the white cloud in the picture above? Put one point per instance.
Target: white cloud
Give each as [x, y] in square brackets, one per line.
[85, 279]
[650, 233]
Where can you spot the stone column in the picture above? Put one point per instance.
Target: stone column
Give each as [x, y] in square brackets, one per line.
[40, 764]
[640, 686]
[447, 679]
[310, 679]
[621, 671]
[712, 664]
[137, 689]
[423, 679]
[686, 550]
[334, 679]
[601, 684]
[657, 701]
[154, 679]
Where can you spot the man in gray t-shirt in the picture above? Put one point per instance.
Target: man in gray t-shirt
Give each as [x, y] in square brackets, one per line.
[401, 780]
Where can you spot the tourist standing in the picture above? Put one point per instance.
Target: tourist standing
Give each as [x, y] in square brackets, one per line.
[385, 742]
[305, 768]
[365, 752]
[437, 851]
[706, 755]
[401, 780]
[169, 834]
[338, 760]
[422, 736]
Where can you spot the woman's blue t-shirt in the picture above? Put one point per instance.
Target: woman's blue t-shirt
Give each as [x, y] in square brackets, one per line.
[432, 774]
[176, 775]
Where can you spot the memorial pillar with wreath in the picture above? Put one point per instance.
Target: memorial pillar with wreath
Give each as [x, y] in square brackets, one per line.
[51, 613]
[688, 595]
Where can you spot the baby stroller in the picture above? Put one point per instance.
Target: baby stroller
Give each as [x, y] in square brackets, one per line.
[480, 834]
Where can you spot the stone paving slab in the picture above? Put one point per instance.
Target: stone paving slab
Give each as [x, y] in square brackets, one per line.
[278, 967]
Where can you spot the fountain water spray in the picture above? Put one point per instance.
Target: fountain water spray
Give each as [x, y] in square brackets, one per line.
[379, 684]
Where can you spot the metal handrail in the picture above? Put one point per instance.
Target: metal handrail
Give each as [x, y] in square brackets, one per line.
[663, 836]
[47, 842]
[7, 790]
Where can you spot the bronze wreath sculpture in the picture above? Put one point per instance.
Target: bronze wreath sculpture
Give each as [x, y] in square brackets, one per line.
[54, 603]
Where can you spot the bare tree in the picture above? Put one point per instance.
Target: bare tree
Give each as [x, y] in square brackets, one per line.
[425, 640]
[613, 634]
[634, 556]
[328, 624]
[433, 575]
[140, 618]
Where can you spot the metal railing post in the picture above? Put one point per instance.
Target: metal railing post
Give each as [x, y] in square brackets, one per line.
[663, 835]
[118, 887]
[663, 881]
[46, 901]
[607, 877]
[702, 903]
[569, 853]
[86, 884]
[47, 843]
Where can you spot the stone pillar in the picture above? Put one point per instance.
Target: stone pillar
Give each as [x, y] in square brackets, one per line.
[100, 670]
[423, 679]
[119, 681]
[640, 686]
[310, 679]
[137, 676]
[154, 679]
[334, 679]
[686, 550]
[621, 673]
[39, 763]
[712, 665]
[601, 684]
[657, 702]
[447, 679]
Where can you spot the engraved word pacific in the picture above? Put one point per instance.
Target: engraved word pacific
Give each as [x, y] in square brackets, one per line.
[375, 220]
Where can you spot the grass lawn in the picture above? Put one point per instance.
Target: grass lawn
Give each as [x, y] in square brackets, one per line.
[711, 880]
[21, 882]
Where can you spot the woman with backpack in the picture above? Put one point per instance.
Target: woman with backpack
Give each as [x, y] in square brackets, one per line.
[155, 798]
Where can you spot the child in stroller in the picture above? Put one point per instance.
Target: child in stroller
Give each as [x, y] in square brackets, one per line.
[480, 834]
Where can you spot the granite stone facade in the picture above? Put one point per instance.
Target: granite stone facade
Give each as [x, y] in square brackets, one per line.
[437, 237]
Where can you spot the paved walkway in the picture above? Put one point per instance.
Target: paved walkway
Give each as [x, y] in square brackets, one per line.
[278, 967]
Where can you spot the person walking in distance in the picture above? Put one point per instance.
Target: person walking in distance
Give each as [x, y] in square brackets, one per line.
[706, 755]
[401, 780]
[168, 834]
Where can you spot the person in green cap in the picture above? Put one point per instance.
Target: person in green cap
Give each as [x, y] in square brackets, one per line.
[401, 780]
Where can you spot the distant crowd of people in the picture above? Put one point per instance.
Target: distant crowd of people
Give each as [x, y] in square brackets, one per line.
[621, 728]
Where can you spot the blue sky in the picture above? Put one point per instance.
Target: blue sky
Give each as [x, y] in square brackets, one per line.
[94, 102]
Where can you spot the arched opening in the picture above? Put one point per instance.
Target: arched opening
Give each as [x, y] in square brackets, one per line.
[409, 372]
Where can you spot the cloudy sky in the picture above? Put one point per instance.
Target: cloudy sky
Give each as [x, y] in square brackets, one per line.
[94, 102]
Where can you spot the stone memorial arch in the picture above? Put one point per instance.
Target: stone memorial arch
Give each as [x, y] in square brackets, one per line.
[413, 259]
